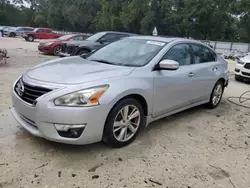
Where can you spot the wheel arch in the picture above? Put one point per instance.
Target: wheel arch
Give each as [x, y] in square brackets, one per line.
[222, 79]
[12, 33]
[137, 97]
[82, 48]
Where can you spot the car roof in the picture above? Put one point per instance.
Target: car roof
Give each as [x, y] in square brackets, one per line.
[43, 28]
[165, 39]
[117, 32]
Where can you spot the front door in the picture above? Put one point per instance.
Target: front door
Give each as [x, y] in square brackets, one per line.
[174, 89]
[40, 33]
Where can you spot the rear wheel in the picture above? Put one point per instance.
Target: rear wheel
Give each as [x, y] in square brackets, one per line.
[123, 123]
[216, 95]
[57, 50]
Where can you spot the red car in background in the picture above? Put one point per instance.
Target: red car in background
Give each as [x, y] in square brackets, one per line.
[54, 46]
[41, 33]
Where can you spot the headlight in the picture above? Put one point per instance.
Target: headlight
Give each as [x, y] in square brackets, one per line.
[86, 97]
[240, 62]
[48, 44]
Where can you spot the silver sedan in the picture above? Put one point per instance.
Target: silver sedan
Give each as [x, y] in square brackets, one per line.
[113, 93]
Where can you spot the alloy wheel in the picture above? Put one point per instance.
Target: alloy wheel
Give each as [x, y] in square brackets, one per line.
[217, 94]
[126, 123]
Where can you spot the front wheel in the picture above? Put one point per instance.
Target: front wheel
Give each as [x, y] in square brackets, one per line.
[57, 50]
[82, 52]
[12, 35]
[124, 123]
[216, 95]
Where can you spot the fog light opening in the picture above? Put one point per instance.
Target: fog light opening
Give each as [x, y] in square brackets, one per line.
[70, 131]
[237, 70]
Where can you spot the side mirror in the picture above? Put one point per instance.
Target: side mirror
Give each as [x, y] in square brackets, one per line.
[168, 65]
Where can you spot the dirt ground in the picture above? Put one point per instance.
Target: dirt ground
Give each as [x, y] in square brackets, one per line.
[198, 148]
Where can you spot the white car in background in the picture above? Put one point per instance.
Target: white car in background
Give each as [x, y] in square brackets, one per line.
[242, 69]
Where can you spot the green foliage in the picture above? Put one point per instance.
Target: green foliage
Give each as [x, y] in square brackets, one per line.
[40, 20]
[227, 20]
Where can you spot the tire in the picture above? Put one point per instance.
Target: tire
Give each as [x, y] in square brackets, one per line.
[57, 50]
[111, 136]
[238, 78]
[83, 51]
[12, 35]
[212, 103]
[31, 38]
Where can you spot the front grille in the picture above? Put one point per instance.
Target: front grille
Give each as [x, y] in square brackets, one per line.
[29, 93]
[64, 46]
[247, 66]
[246, 74]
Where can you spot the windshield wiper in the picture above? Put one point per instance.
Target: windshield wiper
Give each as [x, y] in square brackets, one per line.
[103, 61]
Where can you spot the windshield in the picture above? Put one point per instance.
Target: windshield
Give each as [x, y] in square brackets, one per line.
[96, 36]
[65, 37]
[128, 52]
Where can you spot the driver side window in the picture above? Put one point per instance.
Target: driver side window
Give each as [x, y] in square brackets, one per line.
[180, 53]
[109, 37]
[40, 31]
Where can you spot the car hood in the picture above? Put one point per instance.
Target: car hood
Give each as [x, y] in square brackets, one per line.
[42, 42]
[246, 59]
[80, 43]
[75, 70]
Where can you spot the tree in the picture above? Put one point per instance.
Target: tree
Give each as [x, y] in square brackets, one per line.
[40, 21]
[199, 19]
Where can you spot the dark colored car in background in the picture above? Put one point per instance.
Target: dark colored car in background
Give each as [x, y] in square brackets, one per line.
[54, 46]
[41, 33]
[92, 43]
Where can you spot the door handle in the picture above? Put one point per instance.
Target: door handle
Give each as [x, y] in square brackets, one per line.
[190, 74]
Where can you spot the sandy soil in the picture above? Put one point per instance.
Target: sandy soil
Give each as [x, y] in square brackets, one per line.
[197, 148]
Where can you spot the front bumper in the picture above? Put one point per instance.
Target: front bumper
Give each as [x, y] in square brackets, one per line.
[61, 54]
[242, 72]
[45, 49]
[40, 120]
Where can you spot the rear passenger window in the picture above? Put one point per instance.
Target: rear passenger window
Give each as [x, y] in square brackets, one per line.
[202, 54]
[180, 53]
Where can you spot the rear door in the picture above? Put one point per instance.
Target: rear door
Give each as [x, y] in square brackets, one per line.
[206, 71]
